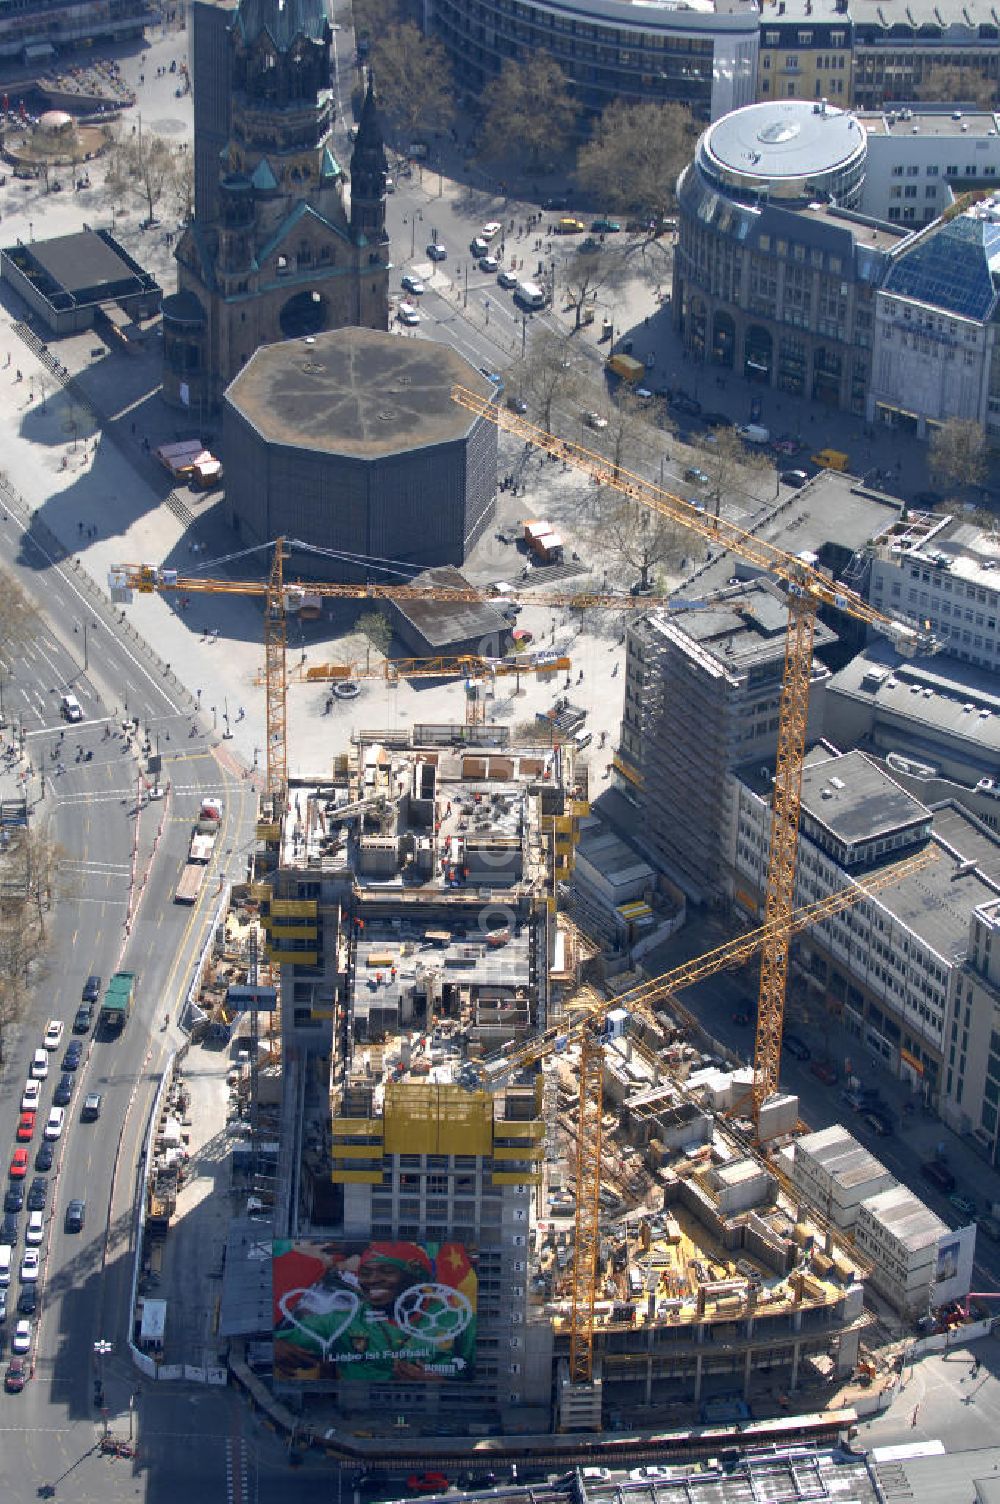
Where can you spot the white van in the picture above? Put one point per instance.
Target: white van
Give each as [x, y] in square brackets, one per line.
[529, 295]
[6, 1255]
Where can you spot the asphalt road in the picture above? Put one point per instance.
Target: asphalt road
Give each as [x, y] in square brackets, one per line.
[113, 909]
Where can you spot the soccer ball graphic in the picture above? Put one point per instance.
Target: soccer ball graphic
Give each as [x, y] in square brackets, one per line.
[432, 1312]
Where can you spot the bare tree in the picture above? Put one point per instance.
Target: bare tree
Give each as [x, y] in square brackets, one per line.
[958, 453]
[640, 537]
[547, 373]
[30, 876]
[182, 186]
[27, 883]
[142, 164]
[953, 84]
[19, 950]
[728, 464]
[377, 628]
[414, 78]
[529, 111]
[588, 273]
[373, 17]
[634, 156]
[19, 617]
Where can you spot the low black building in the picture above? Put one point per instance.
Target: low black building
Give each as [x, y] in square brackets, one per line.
[350, 441]
[80, 281]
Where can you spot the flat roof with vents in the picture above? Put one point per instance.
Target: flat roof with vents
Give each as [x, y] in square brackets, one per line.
[855, 800]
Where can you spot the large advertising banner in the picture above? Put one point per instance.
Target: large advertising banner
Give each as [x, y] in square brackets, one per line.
[373, 1313]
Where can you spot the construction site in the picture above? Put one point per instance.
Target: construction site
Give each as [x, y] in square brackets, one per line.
[503, 1197]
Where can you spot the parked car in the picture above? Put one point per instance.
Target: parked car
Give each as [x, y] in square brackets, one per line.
[91, 989]
[651, 1473]
[824, 1071]
[796, 1047]
[82, 1020]
[25, 1128]
[21, 1342]
[18, 1164]
[40, 1065]
[682, 403]
[794, 478]
[427, 1483]
[8, 1229]
[38, 1194]
[64, 1090]
[44, 1157]
[30, 1266]
[699, 477]
[54, 1033]
[939, 1175]
[14, 1199]
[73, 1055]
[606, 227]
[879, 1124]
[31, 1096]
[16, 1376]
[963, 1203]
[27, 1300]
[55, 1123]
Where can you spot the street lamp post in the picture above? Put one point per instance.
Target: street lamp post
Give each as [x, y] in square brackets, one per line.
[417, 214]
[101, 1348]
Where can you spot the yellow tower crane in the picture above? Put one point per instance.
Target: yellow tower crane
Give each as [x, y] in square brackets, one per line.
[807, 590]
[641, 1001]
[148, 579]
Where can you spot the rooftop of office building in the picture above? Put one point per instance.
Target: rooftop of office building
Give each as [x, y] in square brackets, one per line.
[743, 627]
[923, 120]
[936, 696]
[833, 516]
[855, 800]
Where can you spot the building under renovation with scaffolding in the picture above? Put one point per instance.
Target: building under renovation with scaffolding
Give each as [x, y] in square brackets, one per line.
[423, 1197]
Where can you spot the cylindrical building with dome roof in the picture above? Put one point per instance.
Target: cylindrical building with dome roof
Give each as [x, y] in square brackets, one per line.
[775, 270]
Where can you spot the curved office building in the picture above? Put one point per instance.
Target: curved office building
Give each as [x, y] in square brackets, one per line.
[775, 272]
[702, 56]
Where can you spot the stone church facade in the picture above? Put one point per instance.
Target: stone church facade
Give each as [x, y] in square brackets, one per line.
[284, 249]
